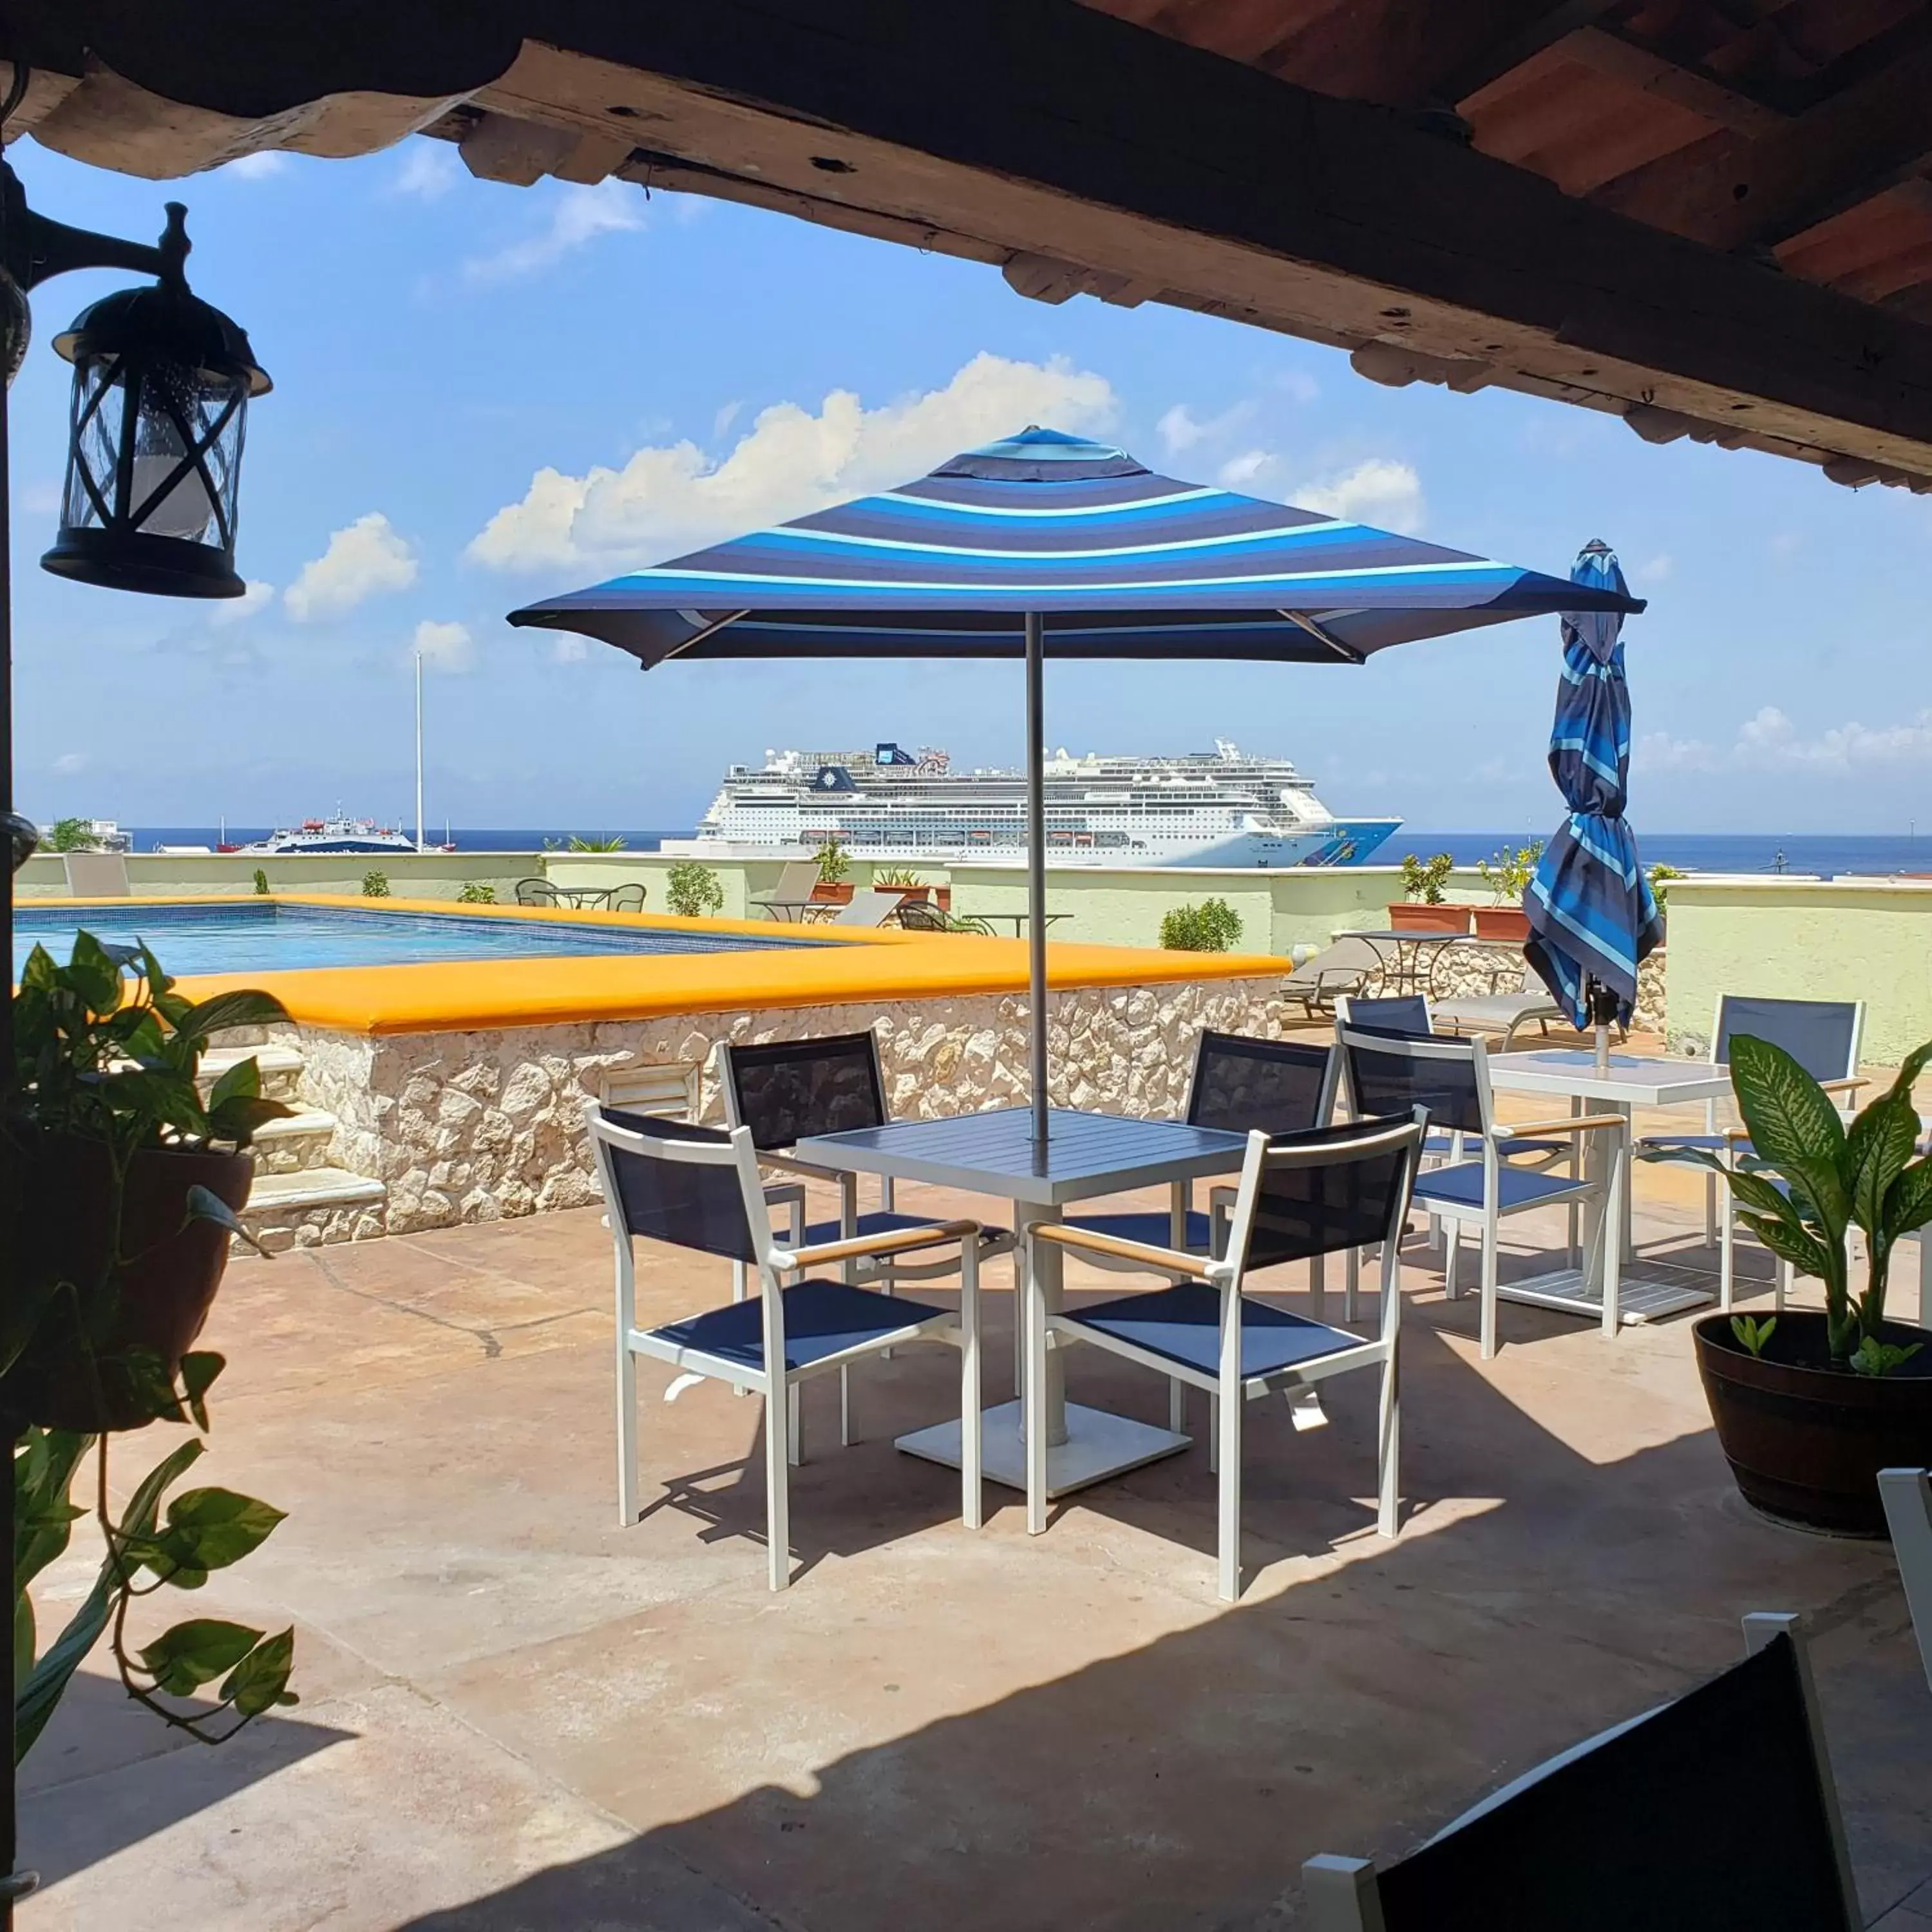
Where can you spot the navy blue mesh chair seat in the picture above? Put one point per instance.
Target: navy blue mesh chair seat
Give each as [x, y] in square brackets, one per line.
[693, 1188]
[1442, 1147]
[1328, 1190]
[1461, 1185]
[1717, 1813]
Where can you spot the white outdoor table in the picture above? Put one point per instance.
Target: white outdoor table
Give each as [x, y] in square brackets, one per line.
[1086, 1155]
[1632, 1080]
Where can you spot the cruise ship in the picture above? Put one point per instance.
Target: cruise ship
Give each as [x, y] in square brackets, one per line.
[1218, 808]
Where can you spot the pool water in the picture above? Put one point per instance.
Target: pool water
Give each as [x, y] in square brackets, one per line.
[271, 938]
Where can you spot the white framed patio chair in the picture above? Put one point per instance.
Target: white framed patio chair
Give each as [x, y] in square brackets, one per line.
[1325, 1192]
[697, 1188]
[1714, 1813]
[1823, 1037]
[1907, 1496]
[1449, 1081]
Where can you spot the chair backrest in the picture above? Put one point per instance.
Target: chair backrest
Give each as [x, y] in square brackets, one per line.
[1324, 1191]
[628, 898]
[1391, 1073]
[1279, 1086]
[796, 878]
[786, 1089]
[1387, 1013]
[1907, 1496]
[1346, 959]
[867, 908]
[536, 893]
[671, 1181]
[1724, 1815]
[916, 916]
[1823, 1036]
[97, 875]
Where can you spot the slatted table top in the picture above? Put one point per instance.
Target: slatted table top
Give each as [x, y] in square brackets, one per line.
[1632, 1079]
[1085, 1154]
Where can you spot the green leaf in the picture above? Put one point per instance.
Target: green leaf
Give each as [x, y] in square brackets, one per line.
[1874, 1357]
[262, 1678]
[1752, 1190]
[23, 1637]
[94, 975]
[238, 1119]
[1752, 1334]
[1908, 1204]
[208, 1529]
[1793, 1125]
[242, 1081]
[1804, 1251]
[246, 1006]
[203, 1205]
[199, 1370]
[39, 974]
[192, 1654]
[1877, 1151]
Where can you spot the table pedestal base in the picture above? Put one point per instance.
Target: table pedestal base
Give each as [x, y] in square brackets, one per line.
[1570, 1291]
[1098, 1444]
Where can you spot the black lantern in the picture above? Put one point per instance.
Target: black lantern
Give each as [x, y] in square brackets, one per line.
[161, 385]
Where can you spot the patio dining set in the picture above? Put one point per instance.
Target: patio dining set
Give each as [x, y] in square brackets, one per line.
[1309, 1151]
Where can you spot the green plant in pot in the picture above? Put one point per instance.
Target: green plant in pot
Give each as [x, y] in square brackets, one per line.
[835, 872]
[1809, 1406]
[123, 1187]
[1422, 905]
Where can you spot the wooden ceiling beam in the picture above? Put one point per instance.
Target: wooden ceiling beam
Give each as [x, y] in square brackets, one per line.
[1541, 27]
[1616, 57]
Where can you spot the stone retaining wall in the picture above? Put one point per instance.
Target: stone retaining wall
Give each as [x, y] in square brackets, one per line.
[476, 1126]
[1463, 970]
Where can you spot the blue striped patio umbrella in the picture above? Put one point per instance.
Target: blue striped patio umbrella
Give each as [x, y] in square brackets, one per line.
[1592, 917]
[1047, 545]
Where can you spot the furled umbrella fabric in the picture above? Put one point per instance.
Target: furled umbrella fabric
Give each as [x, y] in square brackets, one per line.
[1592, 913]
[1046, 545]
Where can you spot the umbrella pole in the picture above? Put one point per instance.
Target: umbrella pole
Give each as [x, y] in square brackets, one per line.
[1036, 653]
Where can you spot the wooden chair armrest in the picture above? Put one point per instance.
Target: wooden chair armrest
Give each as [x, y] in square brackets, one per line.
[898, 1240]
[1850, 1084]
[790, 1164]
[1580, 1124]
[1160, 1261]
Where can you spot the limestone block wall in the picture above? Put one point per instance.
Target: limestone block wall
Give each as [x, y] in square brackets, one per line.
[1461, 970]
[476, 1126]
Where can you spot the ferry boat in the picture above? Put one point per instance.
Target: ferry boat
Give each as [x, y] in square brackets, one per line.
[1218, 808]
[339, 833]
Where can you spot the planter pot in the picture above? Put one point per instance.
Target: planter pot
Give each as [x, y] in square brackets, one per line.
[838, 892]
[1805, 1441]
[920, 894]
[1412, 915]
[1507, 924]
[944, 895]
[165, 1290]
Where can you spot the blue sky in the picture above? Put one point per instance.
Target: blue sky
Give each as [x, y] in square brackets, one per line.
[485, 395]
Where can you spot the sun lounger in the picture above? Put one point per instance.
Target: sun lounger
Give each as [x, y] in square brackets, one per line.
[1344, 967]
[867, 909]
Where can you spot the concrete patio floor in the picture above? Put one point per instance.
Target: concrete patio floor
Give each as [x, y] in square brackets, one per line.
[517, 1714]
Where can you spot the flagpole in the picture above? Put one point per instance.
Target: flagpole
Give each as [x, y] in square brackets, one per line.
[419, 812]
[1035, 652]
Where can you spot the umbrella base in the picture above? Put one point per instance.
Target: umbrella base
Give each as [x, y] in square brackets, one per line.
[1098, 1444]
[1571, 1291]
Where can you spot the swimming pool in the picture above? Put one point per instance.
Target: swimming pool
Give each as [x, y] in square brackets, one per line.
[268, 937]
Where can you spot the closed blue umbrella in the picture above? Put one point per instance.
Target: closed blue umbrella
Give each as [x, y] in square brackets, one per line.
[1045, 545]
[1591, 914]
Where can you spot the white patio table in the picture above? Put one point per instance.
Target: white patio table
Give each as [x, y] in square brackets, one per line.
[1085, 1155]
[1631, 1080]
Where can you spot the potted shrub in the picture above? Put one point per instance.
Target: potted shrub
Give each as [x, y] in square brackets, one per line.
[1507, 874]
[693, 890]
[1809, 1406]
[1421, 907]
[835, 883]
[1213, 926]
[123, 1187]
[908, 885]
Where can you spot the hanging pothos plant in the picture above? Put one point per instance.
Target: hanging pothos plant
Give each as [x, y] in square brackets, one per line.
[123, 1186]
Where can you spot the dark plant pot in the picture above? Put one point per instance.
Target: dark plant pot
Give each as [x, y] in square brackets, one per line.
[1806, 1441]
[836, 891]
[1412, 915]
[1508, 925]
[165, 1290]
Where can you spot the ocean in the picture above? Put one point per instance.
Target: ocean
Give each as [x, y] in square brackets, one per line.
[1816, 854]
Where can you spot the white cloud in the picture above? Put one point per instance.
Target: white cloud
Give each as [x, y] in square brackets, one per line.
[1656, 569]
[577, 216]
[1249, 470]
[257, 166]
[1180, 429]
[1297, 384]
[1768, 741]
[364, 560]
[721, 423]
[674, 497]
[429, 169]
[1385, 494]
[42, 499]
[1659, 751]
[232, 610]
[69, 763]
[446, 647]
[568, 649]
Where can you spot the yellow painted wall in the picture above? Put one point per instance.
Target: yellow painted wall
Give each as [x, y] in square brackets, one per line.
[1804, 939]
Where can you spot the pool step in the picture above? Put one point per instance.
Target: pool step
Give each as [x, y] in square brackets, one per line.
[299, 1144]
[281, 1068]
[309, 1206]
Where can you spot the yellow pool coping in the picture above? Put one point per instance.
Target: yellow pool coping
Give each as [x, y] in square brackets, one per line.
[854, 964]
